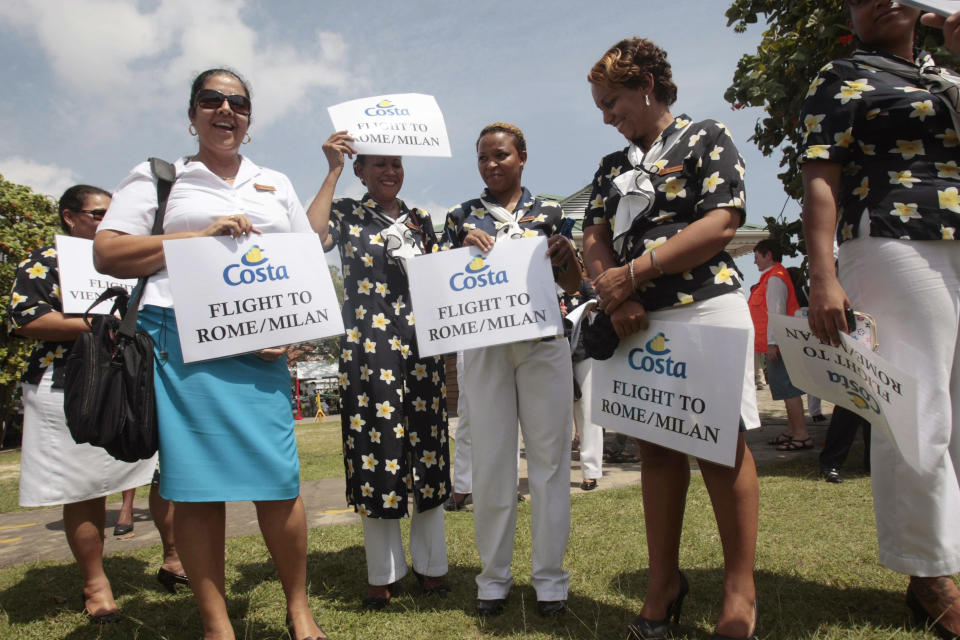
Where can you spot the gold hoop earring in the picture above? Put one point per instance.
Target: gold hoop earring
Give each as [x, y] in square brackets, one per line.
[646, 99]
[192, 129]
[247, 139]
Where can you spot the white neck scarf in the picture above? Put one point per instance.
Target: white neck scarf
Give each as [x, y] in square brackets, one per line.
[636, 187]
[399, 240]
[509, 222]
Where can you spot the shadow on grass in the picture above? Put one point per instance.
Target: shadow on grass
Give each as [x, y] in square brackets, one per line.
[807, 467]
[139, 515]
[789, 608]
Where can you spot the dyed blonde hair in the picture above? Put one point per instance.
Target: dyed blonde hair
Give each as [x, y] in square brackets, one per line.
[626, 62]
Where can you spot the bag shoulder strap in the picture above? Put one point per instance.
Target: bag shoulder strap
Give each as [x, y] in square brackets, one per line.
[166, 174]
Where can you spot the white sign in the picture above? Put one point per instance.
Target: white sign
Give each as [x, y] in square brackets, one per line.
[463, 299]
[237, 295]
[80, 283]
[677, 385]
[402, 124]
[852, 376]
[942, 7]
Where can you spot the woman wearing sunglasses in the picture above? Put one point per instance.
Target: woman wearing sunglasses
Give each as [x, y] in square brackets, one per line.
[661, 213]
[530, 382]
[879, 162]
[393, 413]
[226, 430]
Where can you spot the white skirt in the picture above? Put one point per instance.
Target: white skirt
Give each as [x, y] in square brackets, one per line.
[56, 470]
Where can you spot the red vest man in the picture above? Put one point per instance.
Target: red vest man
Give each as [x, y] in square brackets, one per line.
[774, 294]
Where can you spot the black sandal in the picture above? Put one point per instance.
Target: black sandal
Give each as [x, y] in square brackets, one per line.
[796, 445]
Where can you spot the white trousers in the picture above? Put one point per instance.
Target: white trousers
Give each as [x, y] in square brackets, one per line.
[529, 381]
[814, 406]
[591, 435]
[382, 543]
[462, 476]
[912, 289]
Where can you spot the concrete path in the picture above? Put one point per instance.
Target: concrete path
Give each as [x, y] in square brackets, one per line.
[37, 534]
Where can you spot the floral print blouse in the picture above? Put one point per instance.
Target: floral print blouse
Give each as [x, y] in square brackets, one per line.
[535, 216]
[701, 172]
[36, 292]
[897, 144]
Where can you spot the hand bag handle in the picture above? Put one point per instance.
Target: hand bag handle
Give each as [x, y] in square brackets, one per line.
[166, 174]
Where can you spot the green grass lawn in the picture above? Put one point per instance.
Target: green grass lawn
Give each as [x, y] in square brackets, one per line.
[817, 575]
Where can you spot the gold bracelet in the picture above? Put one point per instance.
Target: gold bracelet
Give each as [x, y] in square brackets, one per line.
[656, 263]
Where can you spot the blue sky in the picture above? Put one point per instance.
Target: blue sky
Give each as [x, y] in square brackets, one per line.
[95, 86]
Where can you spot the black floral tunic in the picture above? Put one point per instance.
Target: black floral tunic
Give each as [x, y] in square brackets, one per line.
[36, 292]
[535, 216]
[897, 144]
[701, 172]
[393, 414]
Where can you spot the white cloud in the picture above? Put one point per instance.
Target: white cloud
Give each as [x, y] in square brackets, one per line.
[47, 179]
[132, 60]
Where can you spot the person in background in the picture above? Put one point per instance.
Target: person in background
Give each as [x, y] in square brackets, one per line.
[55, 470]
[528, 381]
[775, 294]
[661, 213]
[393, 415]
[879, 158]
[225, 425]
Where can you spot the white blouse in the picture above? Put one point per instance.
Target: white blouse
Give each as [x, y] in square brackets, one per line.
[199, 197]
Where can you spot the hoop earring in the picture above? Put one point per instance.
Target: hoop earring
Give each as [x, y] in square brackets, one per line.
[646, 99]
[247, 139]
[193, 130]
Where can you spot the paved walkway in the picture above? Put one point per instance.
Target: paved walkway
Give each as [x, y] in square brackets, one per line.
[37, 534]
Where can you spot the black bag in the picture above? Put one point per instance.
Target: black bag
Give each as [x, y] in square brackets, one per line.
[108, 389]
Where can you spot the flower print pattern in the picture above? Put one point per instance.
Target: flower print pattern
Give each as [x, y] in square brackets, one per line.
[706, 173]
[384, 374]
[903, 176]
[36, 292]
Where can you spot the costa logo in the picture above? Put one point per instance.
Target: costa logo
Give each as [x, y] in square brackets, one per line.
[477, 274]
[386, 108]
[649, 358]
[253, 268]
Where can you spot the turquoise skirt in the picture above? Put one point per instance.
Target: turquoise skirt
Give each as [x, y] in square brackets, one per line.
[226, 425]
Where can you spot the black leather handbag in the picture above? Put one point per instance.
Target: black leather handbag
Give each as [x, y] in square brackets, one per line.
[108, 389]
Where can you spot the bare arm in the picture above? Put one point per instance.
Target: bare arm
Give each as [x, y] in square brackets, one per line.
[335, 149]
[698, 242]
[53, 326]
[629, 317]
[821, 181]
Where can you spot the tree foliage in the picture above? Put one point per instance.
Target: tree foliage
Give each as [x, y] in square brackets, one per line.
[28, 221]
[801, 36]
[327, 349]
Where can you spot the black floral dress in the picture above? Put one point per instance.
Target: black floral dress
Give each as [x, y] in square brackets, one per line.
[393, 413]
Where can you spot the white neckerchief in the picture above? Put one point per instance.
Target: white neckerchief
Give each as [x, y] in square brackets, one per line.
[399, 240]
[509, 222]
[636, 187]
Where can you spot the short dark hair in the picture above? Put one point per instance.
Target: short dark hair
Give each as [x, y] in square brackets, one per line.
[625, 63]
[769, 246]
[201, 79]
[74, 197]
[505, 127]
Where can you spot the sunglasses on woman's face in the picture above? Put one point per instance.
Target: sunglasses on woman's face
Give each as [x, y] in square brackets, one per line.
[212, 99]
[96, 214]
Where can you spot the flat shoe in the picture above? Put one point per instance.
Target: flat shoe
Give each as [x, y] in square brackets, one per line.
[432, 585]
[796, 445]
[122, 529]
[489, 608]
[588, 485]
[550, 608]
[831, 475]
[453, 505]
[375, 603]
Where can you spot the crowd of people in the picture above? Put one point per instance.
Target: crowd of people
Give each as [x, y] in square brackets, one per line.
[880, 173]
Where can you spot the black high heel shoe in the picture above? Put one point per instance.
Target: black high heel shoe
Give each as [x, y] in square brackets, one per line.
[289, 623]
[643, 629]
[753, 634]
[170, 580]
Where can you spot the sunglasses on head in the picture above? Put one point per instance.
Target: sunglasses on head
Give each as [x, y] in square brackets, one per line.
[212, 99]
[96, 214]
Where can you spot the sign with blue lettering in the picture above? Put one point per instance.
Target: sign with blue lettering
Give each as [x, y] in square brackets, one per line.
[80, 283]
[857, 378]
[402, 124]
[464, 299]
[677, 385]
[238, 295]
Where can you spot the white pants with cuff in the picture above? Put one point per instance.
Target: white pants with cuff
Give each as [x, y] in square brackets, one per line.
[383, 545]
[912, 290]
[591, 435]
[529, 381]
